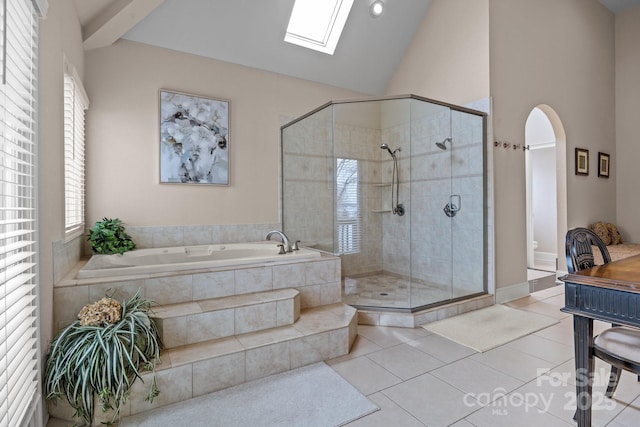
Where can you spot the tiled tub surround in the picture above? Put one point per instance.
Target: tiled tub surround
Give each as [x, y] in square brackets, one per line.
[189, 235]
[66, 255]
[224, 327]
[318, 282]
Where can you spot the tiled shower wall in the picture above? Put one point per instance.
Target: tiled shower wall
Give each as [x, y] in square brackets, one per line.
[396, 230]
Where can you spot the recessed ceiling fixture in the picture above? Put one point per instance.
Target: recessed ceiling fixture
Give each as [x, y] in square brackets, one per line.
[318, 24]
[376, 8]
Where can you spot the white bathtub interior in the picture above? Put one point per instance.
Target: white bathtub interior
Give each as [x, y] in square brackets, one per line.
[157, 260]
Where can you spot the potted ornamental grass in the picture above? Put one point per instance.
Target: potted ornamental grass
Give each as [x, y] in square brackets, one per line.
[109, 237]
[97, 358]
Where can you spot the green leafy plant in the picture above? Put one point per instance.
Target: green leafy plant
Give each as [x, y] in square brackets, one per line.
[94, 357]
[109, 237]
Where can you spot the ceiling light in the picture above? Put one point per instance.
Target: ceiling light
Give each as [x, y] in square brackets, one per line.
[376, 8]
[318, 24]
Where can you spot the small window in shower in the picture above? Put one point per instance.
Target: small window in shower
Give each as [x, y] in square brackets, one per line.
[348, 206]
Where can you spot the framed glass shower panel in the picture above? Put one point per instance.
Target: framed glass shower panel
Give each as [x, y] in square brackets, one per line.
[308, 180]
[467, 189]
[431, 259]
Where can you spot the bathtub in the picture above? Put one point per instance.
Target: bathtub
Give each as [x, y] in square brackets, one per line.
[158, 260]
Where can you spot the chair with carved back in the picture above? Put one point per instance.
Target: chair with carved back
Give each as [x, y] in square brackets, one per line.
[619, 346]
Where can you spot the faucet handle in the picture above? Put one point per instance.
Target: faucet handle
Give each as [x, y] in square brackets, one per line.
[282, 251]
[296, 247]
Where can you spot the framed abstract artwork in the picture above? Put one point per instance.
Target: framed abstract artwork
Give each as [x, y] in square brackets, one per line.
[582, 161]
[603, 165]
[194, 139]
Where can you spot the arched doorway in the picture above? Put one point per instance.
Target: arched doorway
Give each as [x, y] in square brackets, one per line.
[546, 190]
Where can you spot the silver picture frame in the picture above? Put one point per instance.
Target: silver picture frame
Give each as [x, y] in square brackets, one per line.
[194, 139]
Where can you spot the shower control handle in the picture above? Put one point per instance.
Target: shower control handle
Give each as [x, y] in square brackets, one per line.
[451, 208]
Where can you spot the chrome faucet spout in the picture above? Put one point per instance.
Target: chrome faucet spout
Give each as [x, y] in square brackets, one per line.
[283, 237]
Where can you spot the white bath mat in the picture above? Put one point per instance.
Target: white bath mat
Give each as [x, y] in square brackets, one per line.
[490, 327]
[313, 395]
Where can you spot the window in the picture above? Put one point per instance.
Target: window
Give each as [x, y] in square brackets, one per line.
[75, 102]
[317, 24]
[348, 206]
[19, 373]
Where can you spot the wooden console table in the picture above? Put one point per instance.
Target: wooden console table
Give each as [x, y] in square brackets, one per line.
[611, 293]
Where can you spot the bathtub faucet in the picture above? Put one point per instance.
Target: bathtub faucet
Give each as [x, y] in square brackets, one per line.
[283, 237]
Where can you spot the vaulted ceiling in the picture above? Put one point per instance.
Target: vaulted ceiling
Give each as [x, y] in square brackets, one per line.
[251, 33]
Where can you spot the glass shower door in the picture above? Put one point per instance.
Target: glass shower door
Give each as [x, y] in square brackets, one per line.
[467, 195]
[431, 228]
[447, 204]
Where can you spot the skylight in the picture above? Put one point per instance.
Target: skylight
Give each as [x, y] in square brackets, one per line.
[318, 24]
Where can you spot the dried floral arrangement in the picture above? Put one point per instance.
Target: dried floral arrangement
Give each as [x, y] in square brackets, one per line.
[107, 310]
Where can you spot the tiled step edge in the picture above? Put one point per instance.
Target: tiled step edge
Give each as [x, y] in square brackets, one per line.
[321, 333]
[419, 318]
[199, 321]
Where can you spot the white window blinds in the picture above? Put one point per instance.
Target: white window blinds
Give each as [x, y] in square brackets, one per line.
[348, 206]
[75, 103]
[18, 246]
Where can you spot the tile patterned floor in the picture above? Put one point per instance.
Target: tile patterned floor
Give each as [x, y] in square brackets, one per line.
[421, 379]
[387, 290]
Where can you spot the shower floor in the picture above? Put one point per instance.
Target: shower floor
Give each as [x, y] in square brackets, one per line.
[390, 291]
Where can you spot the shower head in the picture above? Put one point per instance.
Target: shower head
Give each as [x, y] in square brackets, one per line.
[442, 144]
[386, 147]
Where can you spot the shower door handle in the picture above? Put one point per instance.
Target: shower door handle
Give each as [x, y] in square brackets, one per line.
[451, 208]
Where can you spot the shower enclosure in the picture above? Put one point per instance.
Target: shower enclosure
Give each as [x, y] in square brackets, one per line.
[396, 187]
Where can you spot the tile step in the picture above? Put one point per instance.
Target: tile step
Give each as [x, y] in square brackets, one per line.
[321, 333]
[200, 321]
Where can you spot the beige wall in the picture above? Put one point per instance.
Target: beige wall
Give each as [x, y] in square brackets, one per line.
[448, 59]
[625, 163]
[123, 143]
[558, 53]
[59, 34]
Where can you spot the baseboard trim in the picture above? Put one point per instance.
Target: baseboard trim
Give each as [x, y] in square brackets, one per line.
[545, 256]
[512, 292]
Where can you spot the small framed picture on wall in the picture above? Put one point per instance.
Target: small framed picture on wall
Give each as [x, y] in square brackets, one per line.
[582, 161]
[603, 165]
